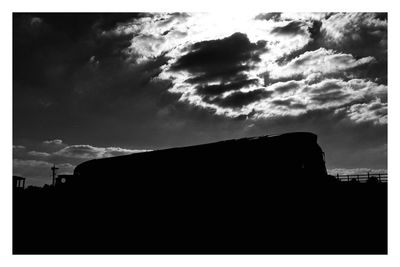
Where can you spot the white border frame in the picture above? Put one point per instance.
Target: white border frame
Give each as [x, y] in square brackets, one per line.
[7, 7]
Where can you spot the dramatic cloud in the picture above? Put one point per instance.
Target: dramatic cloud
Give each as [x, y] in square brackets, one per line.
[204, 58]
[292, 28]
[286, 87]
[319, 62]
[152, 81]
[361, 34]
[374, 111]
[234, 73]
[220, 60]
[90, 152]
[305, 16]
[235, 84]
[269, 16]
[38, 154]
[53, 142]
[215, 67]
[240, 99]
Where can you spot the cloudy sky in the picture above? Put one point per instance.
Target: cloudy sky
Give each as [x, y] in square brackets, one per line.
[98, 85]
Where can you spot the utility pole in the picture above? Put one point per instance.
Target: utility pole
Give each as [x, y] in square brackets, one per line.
[53, 170]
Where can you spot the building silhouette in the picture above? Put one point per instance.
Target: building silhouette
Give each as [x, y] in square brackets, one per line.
[261, 195]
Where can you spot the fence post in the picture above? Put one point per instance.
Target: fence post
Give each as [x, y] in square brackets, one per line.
[348, 178]
[358, 178]
[337, 176]
[379, 177]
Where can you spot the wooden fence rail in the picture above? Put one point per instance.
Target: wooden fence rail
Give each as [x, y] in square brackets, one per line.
[363, 178]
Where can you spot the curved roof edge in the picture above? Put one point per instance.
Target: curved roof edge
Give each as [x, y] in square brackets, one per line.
[290, 136]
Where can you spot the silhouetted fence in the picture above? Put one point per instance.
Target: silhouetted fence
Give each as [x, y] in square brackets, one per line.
[363, 178]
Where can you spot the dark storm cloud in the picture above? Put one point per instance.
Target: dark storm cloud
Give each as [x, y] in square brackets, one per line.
[75, 79]
[269, 81]
[361, 34]
[240, 99]
[313, 44]
[95, 95]
[269, 16]
[358, 34]
[321, 65]
[376, 71]
[180, 16]
[286, 102]
[376, 106]
[290, 103]
[225, 61]
[330, 97]
[224, 87]
[374, 111]
[326, 87]
[220, 60]
[286, 87]
[292, 28]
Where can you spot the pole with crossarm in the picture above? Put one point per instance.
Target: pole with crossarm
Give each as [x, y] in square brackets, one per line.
[53, 170]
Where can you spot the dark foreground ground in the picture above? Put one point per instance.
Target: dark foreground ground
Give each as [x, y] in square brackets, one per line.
[332, 218]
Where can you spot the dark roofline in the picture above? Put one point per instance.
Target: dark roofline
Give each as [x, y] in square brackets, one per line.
[293, 136]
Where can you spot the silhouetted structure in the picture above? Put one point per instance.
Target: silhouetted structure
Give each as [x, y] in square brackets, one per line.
[18, 182]
[64, 180]
[268, 195]
[54, 173]
[286, 158]
[362, 178]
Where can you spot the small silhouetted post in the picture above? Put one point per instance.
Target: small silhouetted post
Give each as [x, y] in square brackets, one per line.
[358, 178]
[337, 176]
[348, 178]
[54, 169]
[379, 177]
